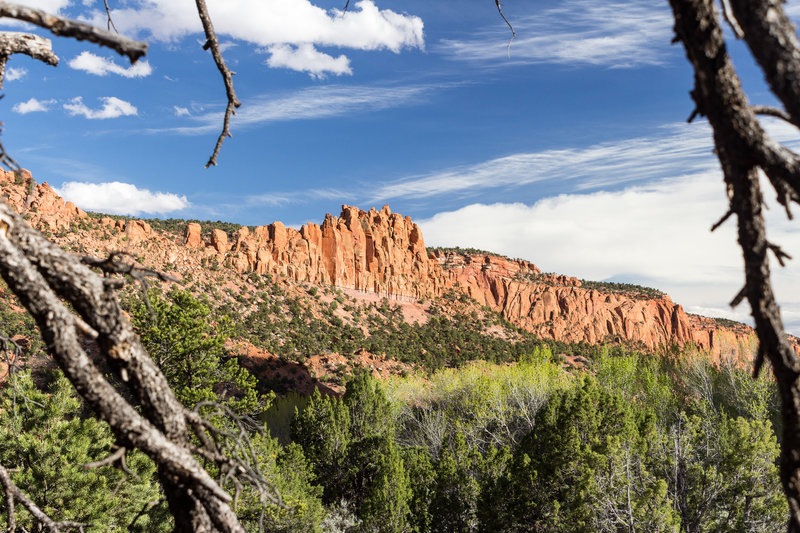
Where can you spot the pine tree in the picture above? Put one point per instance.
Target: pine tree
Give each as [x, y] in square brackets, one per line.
[45, 439]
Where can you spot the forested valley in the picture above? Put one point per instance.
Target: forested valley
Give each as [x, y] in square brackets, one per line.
[481, 432]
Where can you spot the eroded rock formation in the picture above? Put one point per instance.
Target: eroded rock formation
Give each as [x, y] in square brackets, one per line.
[384, 252]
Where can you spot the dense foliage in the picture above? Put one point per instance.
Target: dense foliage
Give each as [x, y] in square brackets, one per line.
[496, 436]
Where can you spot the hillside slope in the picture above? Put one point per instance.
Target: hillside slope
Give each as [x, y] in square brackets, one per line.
[381, 253]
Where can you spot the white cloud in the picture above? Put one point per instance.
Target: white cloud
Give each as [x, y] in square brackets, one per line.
[15, 73]
[120, 198]
[51, 6]
[575, 32]
[33, 105]
[181, 111]
[277, 22]
[672, 150]
[656, 234]
[313, 103]
[306, 58]
[101, 66]
[113, 107]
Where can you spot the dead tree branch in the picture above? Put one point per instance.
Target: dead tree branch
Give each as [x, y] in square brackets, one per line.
[40, 274]
[772, 40]
[24, 43]
[14, 494]
[772, 112]
[212, 43]
[513, 33]
[80, 31]
[743, 147]
[110, 21]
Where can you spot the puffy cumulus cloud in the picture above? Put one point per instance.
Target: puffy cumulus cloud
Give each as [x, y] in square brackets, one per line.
[101, 66]
[277, 22]
[306, 58]
[656, 235]
[120, 198]
[113, 107]
[32, 105]
[16, 73]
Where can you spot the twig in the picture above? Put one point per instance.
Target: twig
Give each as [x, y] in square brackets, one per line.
[118, 456]
[64, 27]
[780, 255]
[722, 220]
[110, 22]
[771, 111]
[345, 6]
[212, 43]
[513, 33]
[731, 20]
[14, 493]
[739, 297]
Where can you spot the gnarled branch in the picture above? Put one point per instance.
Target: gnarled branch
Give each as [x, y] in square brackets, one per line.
[212, 43]
[64, 27]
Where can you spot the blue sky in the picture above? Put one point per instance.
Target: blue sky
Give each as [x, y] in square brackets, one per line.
[570, 149]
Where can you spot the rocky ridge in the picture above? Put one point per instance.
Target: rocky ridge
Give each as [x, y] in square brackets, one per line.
[383, 253]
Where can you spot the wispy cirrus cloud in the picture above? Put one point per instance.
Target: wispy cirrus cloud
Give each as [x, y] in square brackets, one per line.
[312, 103]
[672, 150]
[617, 34]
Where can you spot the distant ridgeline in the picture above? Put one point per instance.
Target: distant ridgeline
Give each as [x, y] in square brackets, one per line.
[383, 253]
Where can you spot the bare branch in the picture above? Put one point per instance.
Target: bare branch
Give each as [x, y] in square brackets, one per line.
[722, 220]
[80, 31]
[772, 112]
[13, 493]
[513, 33]
[742, 147]
[110, 21]
[346, 6]
[212, 43]
[731, 20]
[780, 255]
[34, 268]
[772, 40]
[25, 43]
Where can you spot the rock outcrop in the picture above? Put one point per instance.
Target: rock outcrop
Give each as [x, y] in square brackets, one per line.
[39, 202]
[375, 251]
[383, 252]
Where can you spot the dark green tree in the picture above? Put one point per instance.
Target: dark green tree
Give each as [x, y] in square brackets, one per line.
[45, 440]
[188, 345]
[457, 488]
[322, 429]
[583, 469]
[421, 478]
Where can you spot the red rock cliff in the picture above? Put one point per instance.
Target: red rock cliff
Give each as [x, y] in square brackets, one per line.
[382, 252]
[375, 251]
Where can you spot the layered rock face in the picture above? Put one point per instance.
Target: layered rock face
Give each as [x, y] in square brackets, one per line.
[557, 307]
[375, 251]
[381, 252]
